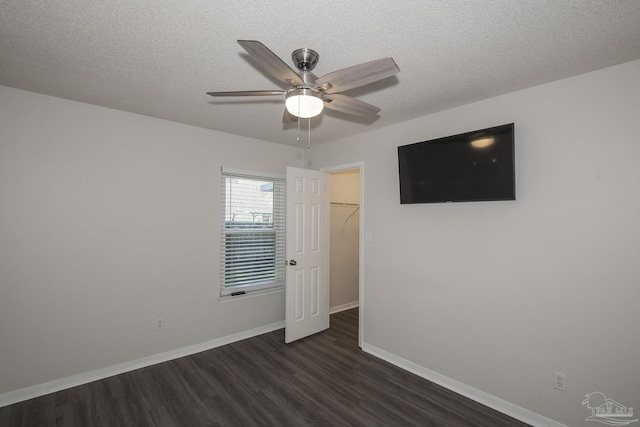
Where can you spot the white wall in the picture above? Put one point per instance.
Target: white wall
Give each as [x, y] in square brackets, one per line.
[498, 295]
[344, 238]
[109, 220]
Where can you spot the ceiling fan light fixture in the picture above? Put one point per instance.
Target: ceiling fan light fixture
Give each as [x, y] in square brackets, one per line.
[303, 103]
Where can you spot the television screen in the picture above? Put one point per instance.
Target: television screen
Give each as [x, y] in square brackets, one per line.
[470, 167]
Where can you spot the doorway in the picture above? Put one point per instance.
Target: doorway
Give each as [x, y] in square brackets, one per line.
[345, 249]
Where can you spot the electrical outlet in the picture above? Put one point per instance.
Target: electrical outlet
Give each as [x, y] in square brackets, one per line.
[559, 381]
[159, 324]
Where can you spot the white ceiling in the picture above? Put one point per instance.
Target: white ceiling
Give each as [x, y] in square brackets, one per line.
[160, 57]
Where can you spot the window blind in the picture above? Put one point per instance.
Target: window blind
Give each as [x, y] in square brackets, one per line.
[252, 231]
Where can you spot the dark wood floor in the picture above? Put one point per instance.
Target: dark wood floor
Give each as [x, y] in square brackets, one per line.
[322, 380]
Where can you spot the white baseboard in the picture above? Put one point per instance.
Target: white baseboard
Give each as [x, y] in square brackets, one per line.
[343, 307]
[99, 374]
[479, 396]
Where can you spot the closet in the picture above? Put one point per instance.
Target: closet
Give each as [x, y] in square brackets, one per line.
[344, 251]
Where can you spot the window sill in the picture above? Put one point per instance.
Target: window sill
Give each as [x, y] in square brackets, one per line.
[250, 294]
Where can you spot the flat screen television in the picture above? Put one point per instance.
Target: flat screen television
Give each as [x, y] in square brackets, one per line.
[469, 167]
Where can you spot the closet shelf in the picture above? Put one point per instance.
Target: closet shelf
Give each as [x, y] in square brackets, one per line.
[348, 205]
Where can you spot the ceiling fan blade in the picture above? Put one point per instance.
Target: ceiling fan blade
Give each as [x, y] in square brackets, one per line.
[358, 75]
[349, 105]
[271, 63]
[288, 117]
[248, 93]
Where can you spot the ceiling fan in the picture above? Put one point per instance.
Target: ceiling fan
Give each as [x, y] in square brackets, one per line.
[308, 94]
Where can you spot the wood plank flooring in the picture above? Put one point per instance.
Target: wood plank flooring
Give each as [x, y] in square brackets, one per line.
[322, 380]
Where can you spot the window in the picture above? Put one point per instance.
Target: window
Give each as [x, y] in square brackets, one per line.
[253, 227]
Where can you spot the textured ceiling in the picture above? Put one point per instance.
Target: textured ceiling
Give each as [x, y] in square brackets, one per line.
[160, 57]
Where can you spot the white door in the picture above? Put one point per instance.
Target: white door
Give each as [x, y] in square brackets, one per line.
[307, 287]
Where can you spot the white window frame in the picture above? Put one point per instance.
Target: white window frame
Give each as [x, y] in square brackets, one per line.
[230, 290]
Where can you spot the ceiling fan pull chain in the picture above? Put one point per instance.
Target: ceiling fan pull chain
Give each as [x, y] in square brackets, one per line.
[298, 120]
[309, 138]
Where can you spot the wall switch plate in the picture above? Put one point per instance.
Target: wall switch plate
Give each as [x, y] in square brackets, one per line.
[559, 381]
[159, 324]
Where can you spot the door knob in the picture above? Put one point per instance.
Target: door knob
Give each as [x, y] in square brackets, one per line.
[293, 262]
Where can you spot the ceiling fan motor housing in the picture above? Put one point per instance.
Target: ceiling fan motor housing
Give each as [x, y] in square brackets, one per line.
[305, 59]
